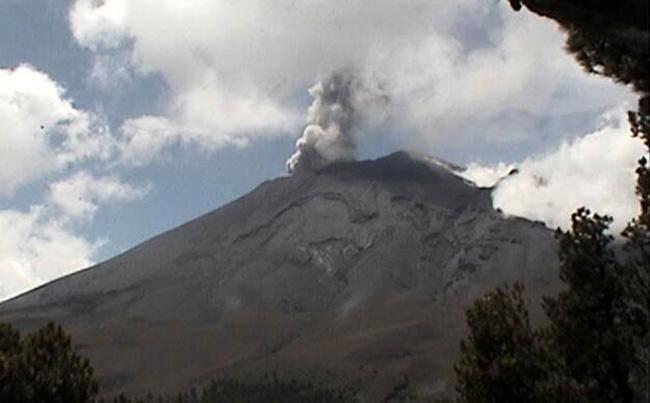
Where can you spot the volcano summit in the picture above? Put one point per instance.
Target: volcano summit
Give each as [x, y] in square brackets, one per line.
[359, 273]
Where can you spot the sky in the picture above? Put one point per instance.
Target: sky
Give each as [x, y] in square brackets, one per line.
[120, 119]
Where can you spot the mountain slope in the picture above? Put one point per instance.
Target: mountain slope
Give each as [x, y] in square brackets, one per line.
[360, 271]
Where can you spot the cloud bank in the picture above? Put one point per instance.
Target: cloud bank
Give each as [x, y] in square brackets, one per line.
[42, 135]
[41, 132]
[44, 242]
[596, 171]
[468, 77]
[36, 248]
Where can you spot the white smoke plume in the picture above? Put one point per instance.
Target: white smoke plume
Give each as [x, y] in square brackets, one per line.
[342, 103]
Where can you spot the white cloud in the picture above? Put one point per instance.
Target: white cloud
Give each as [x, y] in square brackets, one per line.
[202, 118]
[35, 248]
[99, 23]
[461, 74]
[45, 243]
[42, 134]
[41, 131]
[79, 196]
[487, 176]
[596, 171]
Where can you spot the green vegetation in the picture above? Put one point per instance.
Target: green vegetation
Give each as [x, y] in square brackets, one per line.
[596, 346]
[43, 367]
[594, 326]
[505, 360]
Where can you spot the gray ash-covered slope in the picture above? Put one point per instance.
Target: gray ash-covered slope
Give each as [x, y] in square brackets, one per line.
[360, 272]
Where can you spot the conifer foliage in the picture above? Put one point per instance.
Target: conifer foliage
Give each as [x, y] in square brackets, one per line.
[592, 326]
[499, 358]
[43, 367]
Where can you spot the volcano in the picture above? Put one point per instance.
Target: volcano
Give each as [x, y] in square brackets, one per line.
[359, 272]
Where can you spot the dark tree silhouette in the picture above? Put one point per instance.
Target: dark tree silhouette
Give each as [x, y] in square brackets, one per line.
[505, 360]
[43, 367]
[592, 322]
[499, 360]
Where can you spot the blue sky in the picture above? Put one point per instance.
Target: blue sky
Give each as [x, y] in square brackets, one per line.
[121, 119]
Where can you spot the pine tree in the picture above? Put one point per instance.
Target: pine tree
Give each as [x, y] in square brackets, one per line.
[591, 321]
[503, 359]
[637, 235]
[499, 358]
[43, 367]
[10, 346]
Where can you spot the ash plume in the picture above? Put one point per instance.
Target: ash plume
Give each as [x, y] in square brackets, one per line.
[340, 105]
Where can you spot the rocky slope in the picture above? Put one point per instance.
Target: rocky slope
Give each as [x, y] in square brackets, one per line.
[358, 274]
